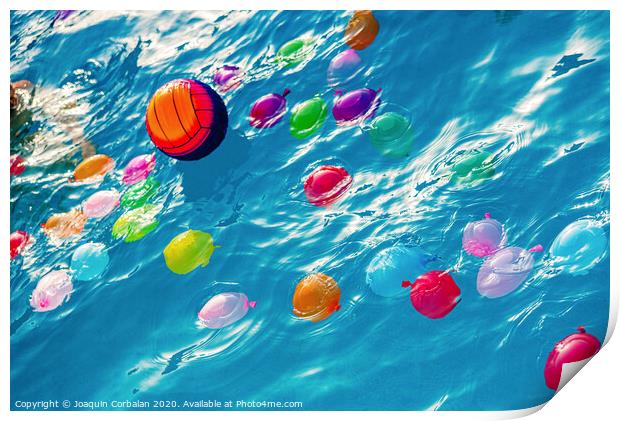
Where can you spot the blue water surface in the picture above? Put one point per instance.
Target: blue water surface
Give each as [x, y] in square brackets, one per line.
[530, 87]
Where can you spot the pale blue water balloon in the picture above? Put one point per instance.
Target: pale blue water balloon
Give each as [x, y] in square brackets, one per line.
[89, 261]
[393, 265]
[579, 247]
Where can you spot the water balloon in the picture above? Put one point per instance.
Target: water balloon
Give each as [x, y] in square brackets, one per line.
[225, 309]
[505, 271]
[316, 297]
[434, 294]
[188, 250]
[89, 261]
[101, 203]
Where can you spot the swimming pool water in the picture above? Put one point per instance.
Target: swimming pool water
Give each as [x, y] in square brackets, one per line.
[530, 87]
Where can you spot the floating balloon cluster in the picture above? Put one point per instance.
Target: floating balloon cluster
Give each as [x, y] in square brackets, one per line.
[90, 260]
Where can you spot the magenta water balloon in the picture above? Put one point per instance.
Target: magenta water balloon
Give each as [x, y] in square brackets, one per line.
[505, 271]
[51, 291]
[343, 67]
[484, 237]
[225, 309]
[228, 77]
[138, 168]
[101, 203]
[268, 110]
[355, 106]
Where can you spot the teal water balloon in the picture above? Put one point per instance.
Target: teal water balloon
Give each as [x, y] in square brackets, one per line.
[579, 247]
[89, 261]
[391, 133]
[393, 265]
[475, 165]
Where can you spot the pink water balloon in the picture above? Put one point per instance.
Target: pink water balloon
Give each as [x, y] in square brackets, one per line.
[138, 168]
[484, 237]
[576, 347]
[52, 290]
[225, 309]
[503, 272]
[101, 203]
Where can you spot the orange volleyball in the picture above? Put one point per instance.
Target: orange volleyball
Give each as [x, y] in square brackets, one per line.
[316, 297]
[186, 119]
[93, 167]
[63, 225]
[361, 30]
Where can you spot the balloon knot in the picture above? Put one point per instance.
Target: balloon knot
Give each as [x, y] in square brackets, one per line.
[406, 284]
[337, 307]
[338, 92]
[252, 304]
[536, 249]
[581, 329]
[487, 215]
[286, 92]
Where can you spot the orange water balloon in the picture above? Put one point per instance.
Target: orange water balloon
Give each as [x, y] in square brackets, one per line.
[63, 225]
[93, 167]
[316, 297]
[361, 30]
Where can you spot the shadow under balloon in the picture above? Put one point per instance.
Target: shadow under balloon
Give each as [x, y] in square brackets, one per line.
[206, 177]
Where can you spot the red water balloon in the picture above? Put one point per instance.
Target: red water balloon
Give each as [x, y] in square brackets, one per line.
[17, 165]
[19, 241]
[326, 184]
[573, 348]
[434, 294]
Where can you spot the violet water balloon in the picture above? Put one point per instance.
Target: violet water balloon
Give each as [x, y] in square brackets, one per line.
[225, 309]
[343, 67]
[138, 168]
[505, 271]
[579, 247]
[268, 110]
[51, 291]
[484, 237]
[356, 106]
[101, 203]
[227, 78]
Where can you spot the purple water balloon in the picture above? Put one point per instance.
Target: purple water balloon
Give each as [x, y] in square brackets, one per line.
[62, 15]
[343, 67]
[355, 106]
[268, 110]
[228, 77]
[52, 290]
[503, 272]
[484, 237]
[138, 168]
[225, 309]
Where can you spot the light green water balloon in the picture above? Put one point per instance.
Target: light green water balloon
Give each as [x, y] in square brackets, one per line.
[140, 193]
[307, 117]
[188, 250]
[473, 166]
[391, 134]
[136, 223]
[294, 52]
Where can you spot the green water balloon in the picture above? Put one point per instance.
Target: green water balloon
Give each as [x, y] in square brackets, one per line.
[294, 52]
[188, 250]
[140, 193]
[308, 117]
[391, 134]
[136, 223]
